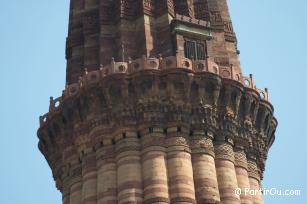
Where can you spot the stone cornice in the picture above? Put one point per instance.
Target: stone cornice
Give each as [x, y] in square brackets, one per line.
[161, 66]
[161, 93]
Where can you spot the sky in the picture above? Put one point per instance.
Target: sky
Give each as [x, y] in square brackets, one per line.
[272, 41]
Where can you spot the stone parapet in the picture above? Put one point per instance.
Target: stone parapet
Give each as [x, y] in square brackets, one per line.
[177, 117]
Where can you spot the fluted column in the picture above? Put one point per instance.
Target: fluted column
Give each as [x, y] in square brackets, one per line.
[66, 189]
[106, 41]
[75, 42]
[91, 34]
[129, 173]
[89, 177]
[205, 180]
[68, 157]
[164, 15]
[106, 175]
[76, 183]
[154, 169]
[179, 166]
[242, 175]
[254, 181]
[226, 173]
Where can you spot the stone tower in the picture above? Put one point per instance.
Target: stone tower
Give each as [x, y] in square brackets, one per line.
[155, 108]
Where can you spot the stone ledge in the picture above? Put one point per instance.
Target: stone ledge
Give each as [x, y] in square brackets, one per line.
[160, 65]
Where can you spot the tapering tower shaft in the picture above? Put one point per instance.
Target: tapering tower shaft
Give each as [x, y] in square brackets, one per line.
[100, 30]
[155, 108]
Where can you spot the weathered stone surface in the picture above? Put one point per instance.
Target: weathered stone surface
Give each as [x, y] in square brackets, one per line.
[139, 121]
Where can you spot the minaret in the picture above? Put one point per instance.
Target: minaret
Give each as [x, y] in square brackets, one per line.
[156, 108]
